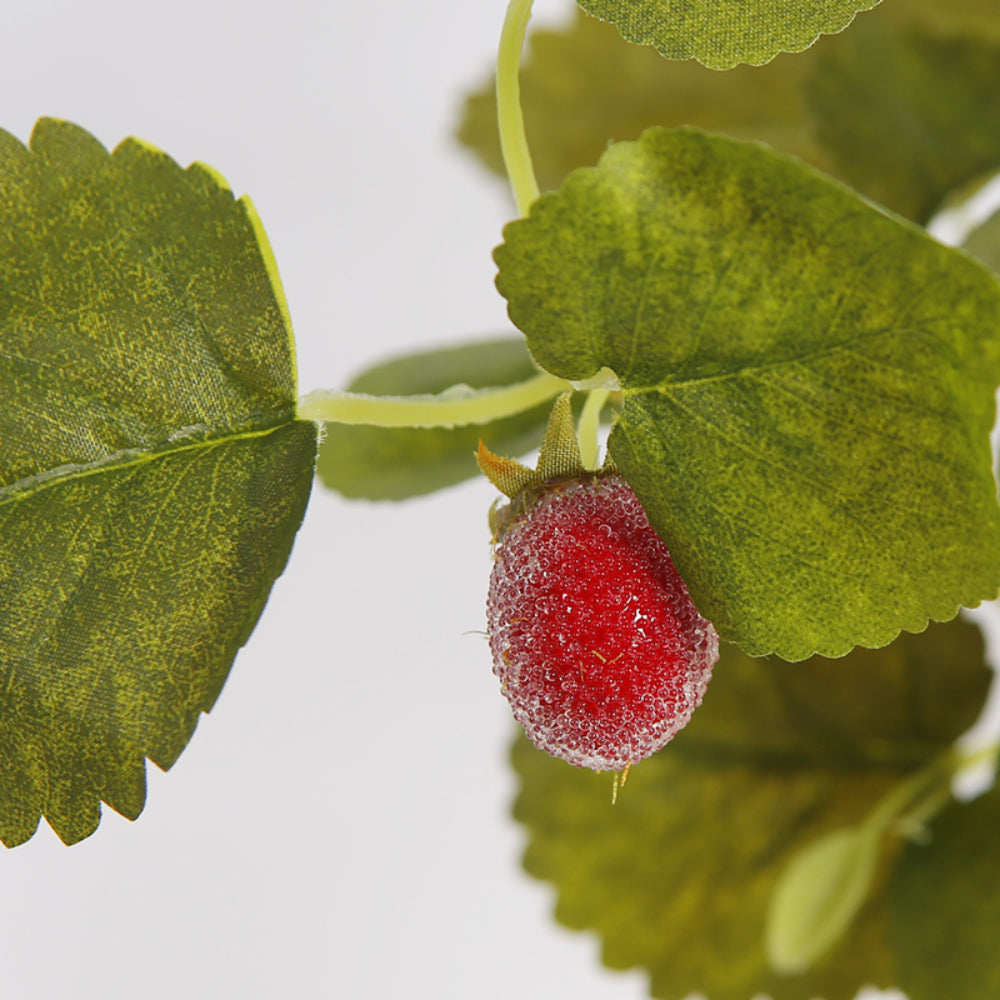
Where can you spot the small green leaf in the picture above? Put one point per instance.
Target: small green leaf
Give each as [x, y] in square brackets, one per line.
[818, 895]
[152, 476]
[984, 242]
[677, 876]
[906, 116]
[808, 384]
[722, 33]
[945, 906]
[377, 463]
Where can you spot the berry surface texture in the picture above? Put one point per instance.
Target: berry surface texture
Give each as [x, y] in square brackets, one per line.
[596, 642]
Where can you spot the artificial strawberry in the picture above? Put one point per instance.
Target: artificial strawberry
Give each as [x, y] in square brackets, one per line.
[597, 644]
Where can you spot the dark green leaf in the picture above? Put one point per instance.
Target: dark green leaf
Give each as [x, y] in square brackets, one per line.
[153, 475]
[677, 876]
[583, 87]
[971, 18]
[905, 116]
[946, 907]
[808, 384]
[379, 463]
[721, 33]
[984, 242]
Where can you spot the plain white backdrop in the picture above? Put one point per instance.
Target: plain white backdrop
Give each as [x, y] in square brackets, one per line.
[338, 826]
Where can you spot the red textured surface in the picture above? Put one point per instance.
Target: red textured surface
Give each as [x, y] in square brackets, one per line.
[597, 644]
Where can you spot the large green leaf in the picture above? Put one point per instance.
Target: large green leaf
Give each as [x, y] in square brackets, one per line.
[677, 877]
[721, 33]
[946, 907]
[582, 87]
[152, 475]
[380, 463]
[900, 111]
[808, 384]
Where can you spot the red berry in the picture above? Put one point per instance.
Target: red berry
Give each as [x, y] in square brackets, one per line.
[595, 639]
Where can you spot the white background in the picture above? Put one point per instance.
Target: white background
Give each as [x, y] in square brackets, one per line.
[338, 826]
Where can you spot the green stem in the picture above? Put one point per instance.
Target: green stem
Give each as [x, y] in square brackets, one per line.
[513, 141]
[589, 426]
[454, 407]
[920, 798]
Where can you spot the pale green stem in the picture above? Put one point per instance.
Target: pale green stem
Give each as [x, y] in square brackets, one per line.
[919, 798]
[589, 427]
[454, 407]
[513, 141]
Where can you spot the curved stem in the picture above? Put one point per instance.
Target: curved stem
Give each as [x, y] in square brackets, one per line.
[513, 141]
[454, 407]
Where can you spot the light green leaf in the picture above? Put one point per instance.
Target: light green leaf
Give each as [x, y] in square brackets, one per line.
[945, 906]
[152, 475]
[984, 242]
[721, 33]
[906, 116]
[392, 464]
[808, 384]
[677, 876]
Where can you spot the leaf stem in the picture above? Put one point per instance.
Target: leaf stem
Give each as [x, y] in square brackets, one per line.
[589, 427]
[454, 407]
[513, 141]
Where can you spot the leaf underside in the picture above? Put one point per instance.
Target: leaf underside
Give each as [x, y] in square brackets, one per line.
[378, 463]
[722, 33]
[153, 474]
[676, 877]
[808, 384]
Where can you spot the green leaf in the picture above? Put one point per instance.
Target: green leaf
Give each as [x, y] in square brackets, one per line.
[945, 906]
[808, 384]
[902, 106]
[984, 242]
[392, 464]
[721, 33]
[153, 475]
[676, 878]
[582, 87]
[907, 117]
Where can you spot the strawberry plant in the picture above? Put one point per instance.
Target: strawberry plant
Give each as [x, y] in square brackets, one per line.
[769, 392]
